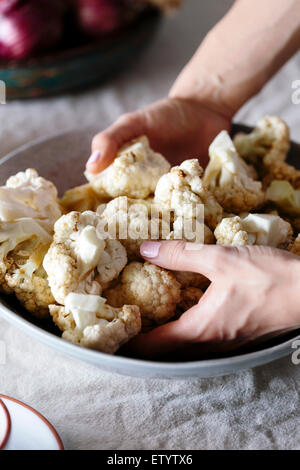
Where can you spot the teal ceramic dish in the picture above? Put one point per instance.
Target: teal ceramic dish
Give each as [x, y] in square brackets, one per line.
[62, 155]
[82, 66]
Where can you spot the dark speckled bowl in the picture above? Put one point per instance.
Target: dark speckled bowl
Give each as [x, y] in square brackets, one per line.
[79, 67]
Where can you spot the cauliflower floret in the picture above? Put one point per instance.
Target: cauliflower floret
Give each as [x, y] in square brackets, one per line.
[28, 210]
[152, 288]
[81, 259]
[82, 198]
[267, 144]
[133, 221]
[254, 229]
[88, 321]
[182, 190]
[282, 171]
[285, 197]
[34, 292]
[23, 245]
[185, 229]
[295, 246]
[27, 195]
[229, 177]
[189, 297]
[134, 173]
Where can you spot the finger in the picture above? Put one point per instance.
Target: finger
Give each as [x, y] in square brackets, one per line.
[209, 260]
[106, 144]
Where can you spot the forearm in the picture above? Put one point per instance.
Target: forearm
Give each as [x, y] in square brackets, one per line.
[244, 50]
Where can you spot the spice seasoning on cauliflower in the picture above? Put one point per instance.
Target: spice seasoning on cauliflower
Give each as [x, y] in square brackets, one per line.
[282, 171]
[79, 259]
[152, 288]
[80, 199]
[254, 229]
[267, 144]
[182, 189]
[86, 320]
[230, 178]
[134, 173]
[27, 195]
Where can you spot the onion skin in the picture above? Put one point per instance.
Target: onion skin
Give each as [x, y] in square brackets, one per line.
[28, 26]
[101, 17]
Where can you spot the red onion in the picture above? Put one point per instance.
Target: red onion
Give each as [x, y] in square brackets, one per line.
[99, 17]
[27, 26]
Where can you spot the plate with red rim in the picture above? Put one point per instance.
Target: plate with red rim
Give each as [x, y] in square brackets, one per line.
[24, 428]
[65, 154]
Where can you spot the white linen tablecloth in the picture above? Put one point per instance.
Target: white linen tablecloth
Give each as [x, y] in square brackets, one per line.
[254, 409]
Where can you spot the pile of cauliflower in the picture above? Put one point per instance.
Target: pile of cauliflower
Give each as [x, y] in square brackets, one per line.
[58, 257]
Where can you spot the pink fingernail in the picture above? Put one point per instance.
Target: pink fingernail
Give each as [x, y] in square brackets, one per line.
[95, 157]
[150, 249]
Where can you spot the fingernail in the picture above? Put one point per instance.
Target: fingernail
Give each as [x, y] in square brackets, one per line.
[150, 249]
[95, 157]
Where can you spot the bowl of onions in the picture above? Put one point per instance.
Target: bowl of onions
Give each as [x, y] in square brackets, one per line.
[49, 47]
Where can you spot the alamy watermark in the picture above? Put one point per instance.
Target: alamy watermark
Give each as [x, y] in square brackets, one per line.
[296, 92]
[139, 221]
[296, 353]
[2, 353]
[2, 92]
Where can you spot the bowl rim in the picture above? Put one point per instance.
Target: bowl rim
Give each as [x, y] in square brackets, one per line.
[160, 369]
[96, 356]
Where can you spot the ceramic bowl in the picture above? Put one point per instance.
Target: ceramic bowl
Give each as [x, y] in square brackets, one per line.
[61, 159]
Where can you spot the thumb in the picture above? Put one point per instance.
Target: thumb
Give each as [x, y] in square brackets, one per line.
[106, 144]
[209, 260]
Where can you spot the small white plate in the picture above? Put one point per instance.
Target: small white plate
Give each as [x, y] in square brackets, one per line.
[23, 428]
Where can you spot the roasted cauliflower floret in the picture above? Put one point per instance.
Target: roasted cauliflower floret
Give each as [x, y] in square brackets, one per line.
[32, 292]
[254, 229]
[182, 191]
[134, 221]
[191, 231]
[82, 198]
[87, 320]
[285, 197]
[152, 288]
[80, 258]
[230, 178]
[267, 144]
[282, 171]
[23, 245]
[27, 195]
[134, 173]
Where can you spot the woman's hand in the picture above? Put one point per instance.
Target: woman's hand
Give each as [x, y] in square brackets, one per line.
[254, 293]
[178, 128]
